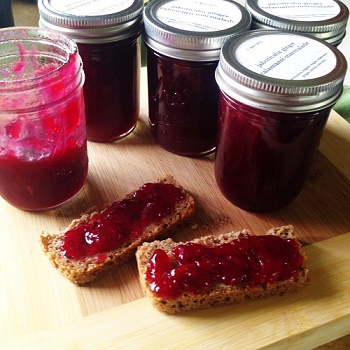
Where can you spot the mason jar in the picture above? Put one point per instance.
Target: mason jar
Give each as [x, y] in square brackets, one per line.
[277, 91]
[43, 148]
[183, 41]
[108, 38]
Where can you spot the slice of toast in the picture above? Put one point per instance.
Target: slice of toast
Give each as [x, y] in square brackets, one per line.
[81, 271]
[218, 294]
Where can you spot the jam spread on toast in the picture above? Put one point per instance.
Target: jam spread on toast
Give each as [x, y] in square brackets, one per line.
[122, 222]
[246, 262]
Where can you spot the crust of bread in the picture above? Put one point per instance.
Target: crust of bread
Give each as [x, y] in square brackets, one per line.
[220, 294]
[88, 269]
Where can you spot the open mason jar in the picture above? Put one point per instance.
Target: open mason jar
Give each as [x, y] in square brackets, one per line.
[43, 148]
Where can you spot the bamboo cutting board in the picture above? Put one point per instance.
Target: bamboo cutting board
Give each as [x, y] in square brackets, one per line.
[321, 311]
[36, 301]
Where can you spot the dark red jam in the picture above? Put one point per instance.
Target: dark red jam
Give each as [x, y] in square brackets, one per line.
[263, 158]
[183, 100]
[111, 89]
[122, 222]
[245, 262]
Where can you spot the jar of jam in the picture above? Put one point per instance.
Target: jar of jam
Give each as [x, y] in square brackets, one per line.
[324, 19]
[277, 90]
[108, 38]
[183, 41]
[43, 148]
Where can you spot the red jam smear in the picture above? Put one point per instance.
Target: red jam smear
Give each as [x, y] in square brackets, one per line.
[247, 261]
[122, 222]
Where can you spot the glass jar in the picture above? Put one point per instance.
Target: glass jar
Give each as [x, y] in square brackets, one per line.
[183, 41]
[324, 19]
[277, 90]
[108, 38]
[43, 148]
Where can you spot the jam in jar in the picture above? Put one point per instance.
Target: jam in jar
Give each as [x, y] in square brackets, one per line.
[277, 90]
[183, 107]
[111, 89]
[43, 148]
[108, 38]
[183, 41]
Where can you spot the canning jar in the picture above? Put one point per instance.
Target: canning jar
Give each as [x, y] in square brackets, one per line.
[108, 38]
[43, 148]
[277, 90]
[183, 41]
[324, 19]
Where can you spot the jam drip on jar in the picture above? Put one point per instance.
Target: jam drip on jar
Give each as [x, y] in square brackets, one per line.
[246, 262]
[122, 222]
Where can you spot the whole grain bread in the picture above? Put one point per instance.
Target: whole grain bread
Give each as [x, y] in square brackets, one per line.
[220, 294]
[90, 268]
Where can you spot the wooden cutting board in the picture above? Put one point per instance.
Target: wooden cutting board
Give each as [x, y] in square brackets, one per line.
[300, 320]
[38, 303]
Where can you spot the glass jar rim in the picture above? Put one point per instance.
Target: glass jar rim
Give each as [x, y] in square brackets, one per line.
[34, 59]
[16, 36]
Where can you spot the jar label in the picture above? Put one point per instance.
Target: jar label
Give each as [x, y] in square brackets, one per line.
[90, 7]
[199, 15]
[285, 56]
[301, 10]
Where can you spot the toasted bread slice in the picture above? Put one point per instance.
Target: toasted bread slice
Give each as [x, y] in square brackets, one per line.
[81, 271]
[218, 294]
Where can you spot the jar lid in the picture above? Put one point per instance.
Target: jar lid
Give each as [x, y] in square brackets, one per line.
[92, 21]
[324, 19]
[193, 30]
[281, 71]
